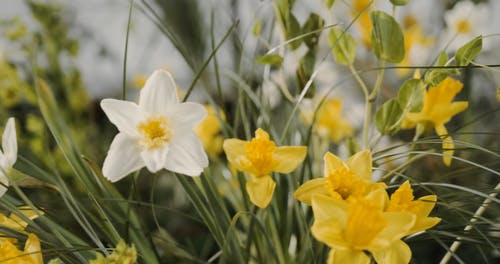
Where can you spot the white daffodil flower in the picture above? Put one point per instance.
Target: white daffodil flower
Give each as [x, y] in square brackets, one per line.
[157, 133]
[8, 154]
[464, 22]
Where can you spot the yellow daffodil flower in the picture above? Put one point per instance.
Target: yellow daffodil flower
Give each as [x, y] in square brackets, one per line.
[209, 131]
[8, 154]
[437, 110]
[329, 121]
[32, 253]
[402, 200]
[364, 22]
[259, 157]
[352, 228]
[122, 254]
[15, 222]
[342, 180]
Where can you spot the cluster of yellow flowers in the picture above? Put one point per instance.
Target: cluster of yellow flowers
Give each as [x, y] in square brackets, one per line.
[354, 216]
[9, 252]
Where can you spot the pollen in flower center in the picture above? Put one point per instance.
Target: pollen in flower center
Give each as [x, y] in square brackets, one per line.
[463, 26]
[364, 223]
[343, 182]
[259, 152]
[155, 131]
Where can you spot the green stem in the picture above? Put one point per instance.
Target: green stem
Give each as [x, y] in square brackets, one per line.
[124, 78]
[369, 103]
[474, 218]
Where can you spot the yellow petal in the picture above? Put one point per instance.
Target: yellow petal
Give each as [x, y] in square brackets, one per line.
[397, 253]
[235, 152]
[426, 204]
[378, 195]
[332, 163]
[32, 247]
[326, 208]
[305, 191]
[361, 164]
[398, 225]
[260, 133]
[348, 256]
[260, 190]
[448, 145]
[288, 158]
[330, 233]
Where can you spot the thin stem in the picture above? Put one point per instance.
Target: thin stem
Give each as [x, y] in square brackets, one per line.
[369, 99]
[124, 78]
[474, 218]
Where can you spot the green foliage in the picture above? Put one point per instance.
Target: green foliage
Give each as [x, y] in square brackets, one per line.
[313, 23]
[400, 2]
[435, 76]
[387, 117]
[343, 46]
[271, 59]
[410, 95]
[469, 51]
[387, 37]
[329, 3]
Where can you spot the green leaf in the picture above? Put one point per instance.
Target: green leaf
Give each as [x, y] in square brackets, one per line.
[410, 96]
[313, 23]
[293, 30]
[469, 51]
[329, 3]
[305, 70]
[442, 59]
[387, 37]
[400, 2]
[272, 59]
[257, 27]
[387, 117]
[343, 46]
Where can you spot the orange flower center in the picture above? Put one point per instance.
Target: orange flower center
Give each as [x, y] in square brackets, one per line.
[343, 182]
[155, 132]
[463, 26]
[259, 152]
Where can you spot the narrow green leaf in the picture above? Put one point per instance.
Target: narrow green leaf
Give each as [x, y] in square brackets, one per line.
[410, 96]
[387, 117]
[343, 46]
[271, 59]
[387, 37]
[469, 51]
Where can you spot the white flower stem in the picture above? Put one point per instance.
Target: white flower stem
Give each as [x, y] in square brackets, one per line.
[474, 218]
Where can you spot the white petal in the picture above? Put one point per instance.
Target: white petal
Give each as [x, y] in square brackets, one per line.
[9, 143]
[123, 114]
[187, 115]
[123, 158]
[186, 155]
[155, 159]
[159, 93]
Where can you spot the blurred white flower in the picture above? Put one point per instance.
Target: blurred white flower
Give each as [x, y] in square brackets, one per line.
[156, 133]
[464, 22]
[8, 154]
